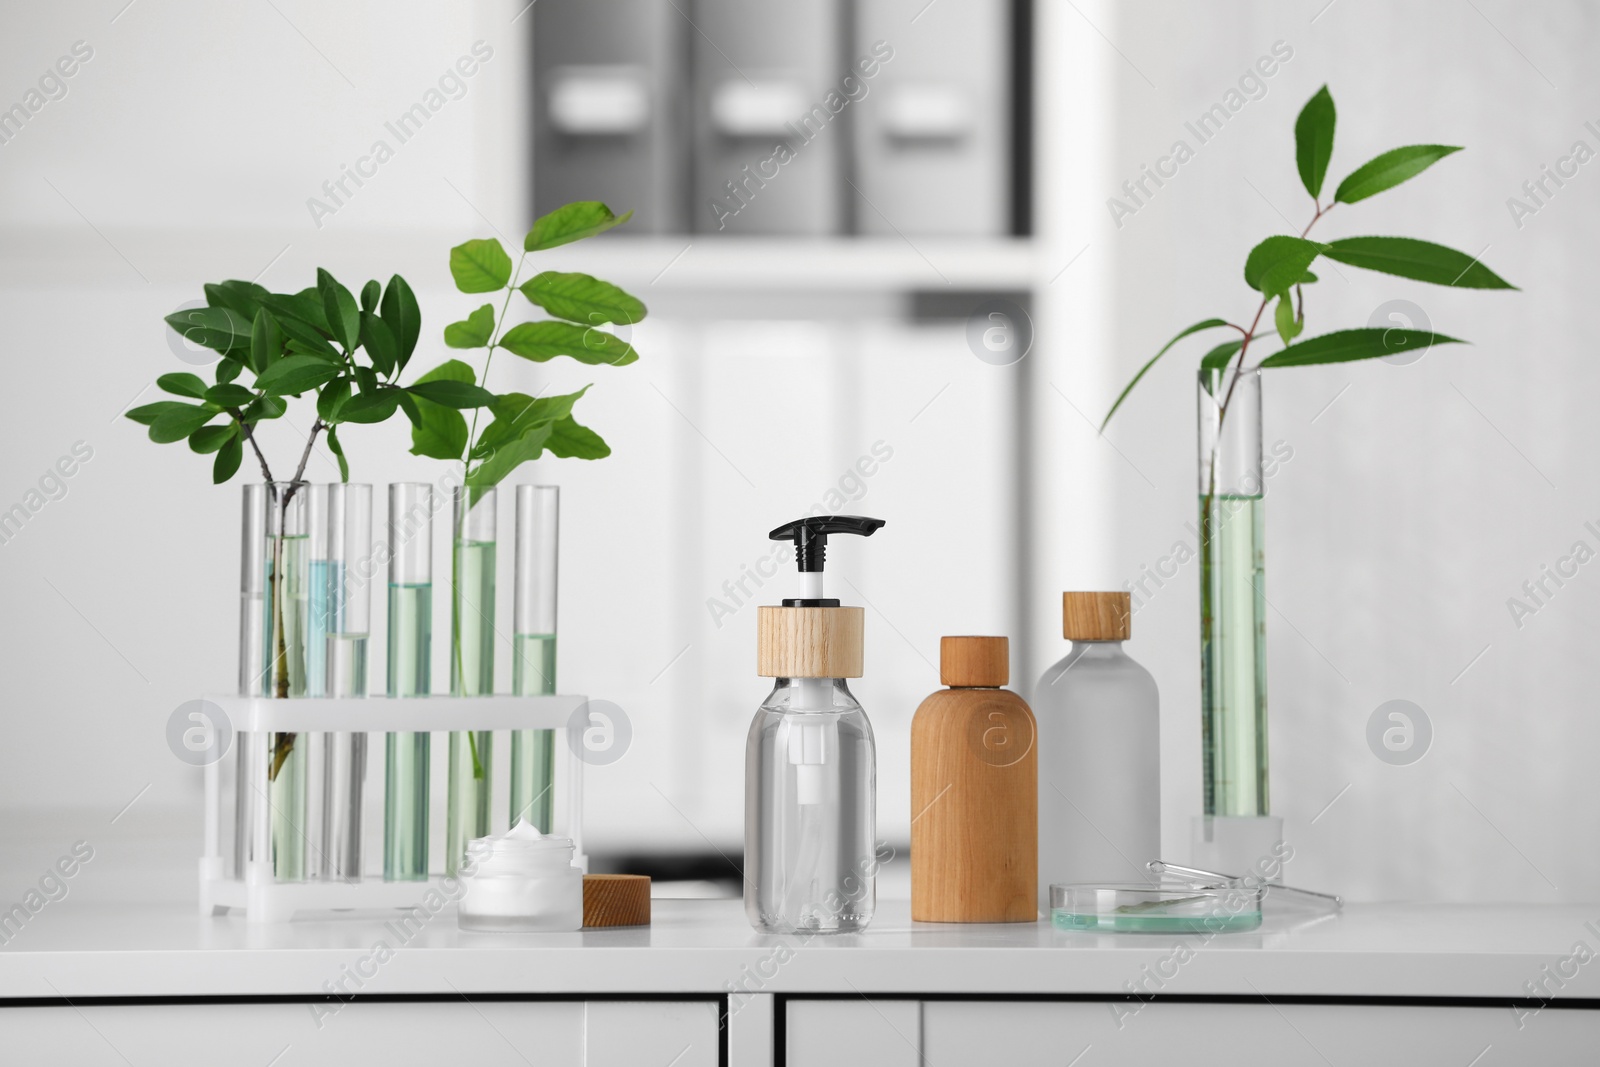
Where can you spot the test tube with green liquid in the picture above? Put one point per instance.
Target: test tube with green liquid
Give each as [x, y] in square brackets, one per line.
[533, 667]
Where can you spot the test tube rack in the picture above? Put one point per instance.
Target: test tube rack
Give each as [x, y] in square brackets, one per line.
[255, 891]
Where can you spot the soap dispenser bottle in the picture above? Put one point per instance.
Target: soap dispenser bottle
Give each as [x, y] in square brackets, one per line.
[974, 800]
[810, 764]
[1099, 752]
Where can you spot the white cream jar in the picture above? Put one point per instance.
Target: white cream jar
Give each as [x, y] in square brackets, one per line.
[522, 882]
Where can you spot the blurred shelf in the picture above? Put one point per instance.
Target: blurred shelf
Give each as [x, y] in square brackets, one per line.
[703, 264]
[853, 265]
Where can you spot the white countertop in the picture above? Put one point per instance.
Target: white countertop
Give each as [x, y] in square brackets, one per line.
[1373, 950]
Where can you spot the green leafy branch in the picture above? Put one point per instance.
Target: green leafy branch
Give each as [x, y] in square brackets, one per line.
[320, 340]
[1279, 267]
[523, 427]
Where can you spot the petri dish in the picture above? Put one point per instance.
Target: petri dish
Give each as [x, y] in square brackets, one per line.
[1146, 909]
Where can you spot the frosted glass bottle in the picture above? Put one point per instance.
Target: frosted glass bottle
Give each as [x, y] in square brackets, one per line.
[810, 784]
[1099, 753]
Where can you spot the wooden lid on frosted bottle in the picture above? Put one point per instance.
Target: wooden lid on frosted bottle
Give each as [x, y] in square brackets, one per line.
[1096, 616]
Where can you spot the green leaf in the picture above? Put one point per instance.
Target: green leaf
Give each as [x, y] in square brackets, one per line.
[380, 343]
[440, 432]
[1217, 360]
[1284, 318]
[338, 450]
[1276, 264]
[343, 314]
[229, 396]
[1389, 170]
[208, 439]
[227, 370]
[508, 456]
[266, 341]
[1346, 345]
[1206, 324]
[480, 266]
[306, 305]
[307, 336]
[581, 298]
[370, 294]
[472, 332]
[147, 414]
[399, 310]
[371, 407]
[453, 394]
[1313, 140]
[178, 422]
[219, 329]
[1307, 279]
[1423, 261]
[540, 341]
[571, 222]
[243, 297]
[330, 398]
[293, 375]
[570, 440]
[265, 407]
[182, 384]
[408, 404]
[227, 462]
[517, 413]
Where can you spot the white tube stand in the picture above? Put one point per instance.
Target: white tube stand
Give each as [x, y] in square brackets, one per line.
[262, 898]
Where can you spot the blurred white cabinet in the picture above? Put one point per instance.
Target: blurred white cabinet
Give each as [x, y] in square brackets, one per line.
[955, 1033]
[486, 1033]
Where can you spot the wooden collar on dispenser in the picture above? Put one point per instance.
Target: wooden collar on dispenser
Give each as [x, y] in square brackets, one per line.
[809, 642]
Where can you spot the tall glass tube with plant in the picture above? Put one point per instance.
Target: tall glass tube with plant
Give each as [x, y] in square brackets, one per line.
[472, 588]
[523, 428]
[1232, 628]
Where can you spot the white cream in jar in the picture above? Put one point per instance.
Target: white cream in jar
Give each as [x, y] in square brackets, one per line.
[522, 882]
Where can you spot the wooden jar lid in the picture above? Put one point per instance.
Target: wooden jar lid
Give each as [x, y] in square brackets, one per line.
[616, 900]
[971, 662]
[1096, 616]
[809, 642]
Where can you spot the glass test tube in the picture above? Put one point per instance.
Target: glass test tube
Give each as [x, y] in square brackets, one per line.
[347, 624]
[533, 667]
[286, 676]
[472, 582]
[405, 806]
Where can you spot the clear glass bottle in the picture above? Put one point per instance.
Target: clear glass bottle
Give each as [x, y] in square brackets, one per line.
[347, 626]
[1099, 737]
[472, 582]
[533, 667]
[405, 804]
[1233, 624]
[810, 795]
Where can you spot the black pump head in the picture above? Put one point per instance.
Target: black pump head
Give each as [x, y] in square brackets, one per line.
[810, 536]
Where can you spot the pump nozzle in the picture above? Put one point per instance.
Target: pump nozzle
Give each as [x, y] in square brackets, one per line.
[810, 537]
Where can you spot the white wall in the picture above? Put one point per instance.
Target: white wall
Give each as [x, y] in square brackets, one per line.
[1424, 497]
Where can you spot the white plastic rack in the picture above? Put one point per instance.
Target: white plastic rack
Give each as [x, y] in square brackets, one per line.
[254, 890]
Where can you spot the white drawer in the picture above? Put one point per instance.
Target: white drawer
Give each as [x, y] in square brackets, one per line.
[391, 1033]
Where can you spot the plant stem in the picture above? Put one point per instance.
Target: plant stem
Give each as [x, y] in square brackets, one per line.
[283, 744]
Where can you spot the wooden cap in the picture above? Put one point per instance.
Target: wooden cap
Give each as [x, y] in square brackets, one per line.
[968, 662]
[1096, 616]
[616, 900]
[809, 642]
